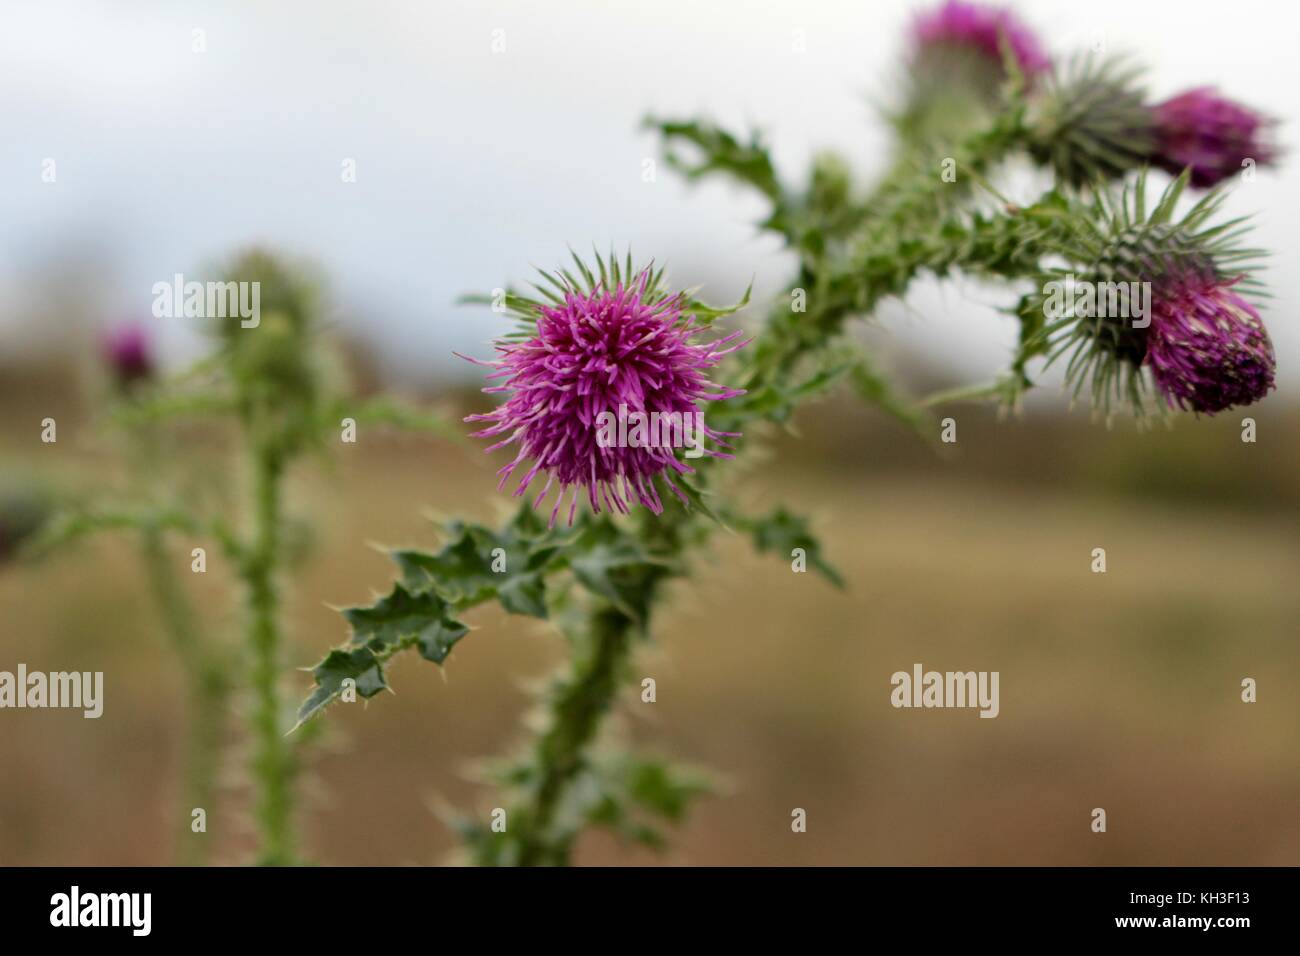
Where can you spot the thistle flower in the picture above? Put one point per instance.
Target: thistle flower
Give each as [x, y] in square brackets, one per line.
[956, 72]
[620, 344]
[1161, 295]
[980, 29]
[1207, 348]
[128, 352]
[1208, 134]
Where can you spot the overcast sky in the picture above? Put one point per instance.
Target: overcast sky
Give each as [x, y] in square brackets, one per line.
[472, 165]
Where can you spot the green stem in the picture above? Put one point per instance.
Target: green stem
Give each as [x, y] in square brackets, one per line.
[272, 765]
[208, 692]
[576, 706]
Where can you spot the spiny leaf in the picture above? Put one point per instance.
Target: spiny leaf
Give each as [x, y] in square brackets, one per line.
[360, 664]
[706, 315]
[720, 152]
[478, 564]
[630, 788]
[402, 618]
[781, 532]
[612, 564]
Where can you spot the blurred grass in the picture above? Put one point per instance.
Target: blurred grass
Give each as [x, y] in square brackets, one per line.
[1118, 690]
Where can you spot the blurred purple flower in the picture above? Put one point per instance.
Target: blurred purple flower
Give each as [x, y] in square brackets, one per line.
[597, 351]
[1209, 134]
[981, 28]
[128, 351]
[1207, 347]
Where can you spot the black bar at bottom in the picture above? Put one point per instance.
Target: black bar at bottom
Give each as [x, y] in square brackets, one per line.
[363, 907]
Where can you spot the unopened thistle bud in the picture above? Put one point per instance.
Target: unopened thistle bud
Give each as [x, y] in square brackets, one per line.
[271, 354]
[618, 348]
[1093, 123]
[1212, 136]
[1089, 122]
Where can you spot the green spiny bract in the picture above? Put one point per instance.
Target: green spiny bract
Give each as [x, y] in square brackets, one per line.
[1090, 123]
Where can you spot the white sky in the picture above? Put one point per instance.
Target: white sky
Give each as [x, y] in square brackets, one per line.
[474, 165]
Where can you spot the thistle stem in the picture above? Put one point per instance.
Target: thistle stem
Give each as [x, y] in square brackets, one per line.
[576, 706]
[208, 693]
[272, 761]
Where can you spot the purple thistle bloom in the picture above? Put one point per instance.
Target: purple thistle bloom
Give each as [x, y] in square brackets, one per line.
[1209, 134]
[981, 28]
[598, 351]
[129, 353]
[1207, 347]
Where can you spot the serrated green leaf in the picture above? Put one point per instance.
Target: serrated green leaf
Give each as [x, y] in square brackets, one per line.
[478, 564]
[402, 619]
[612, 564]
[781, 532]
[359, 664]
[458, 572]
[524, 594]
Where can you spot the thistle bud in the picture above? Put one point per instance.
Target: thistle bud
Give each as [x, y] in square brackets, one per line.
[1090, 123]
[957, 69]
[958, 27]
[1164, 305]
[1212, 136]
[128, 353]
[1207, 347]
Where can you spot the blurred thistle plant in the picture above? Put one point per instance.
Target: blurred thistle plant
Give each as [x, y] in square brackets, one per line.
[600, 578]
[272, 384]
[1087, 118]
[147, 506]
